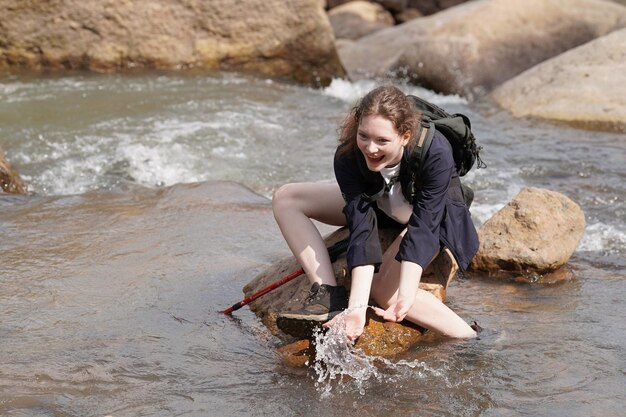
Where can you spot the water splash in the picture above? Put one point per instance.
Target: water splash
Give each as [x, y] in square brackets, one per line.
[352, 91]
[340, 365]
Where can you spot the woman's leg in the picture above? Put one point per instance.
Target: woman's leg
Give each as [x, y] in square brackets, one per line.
[427, 310]
[294, 206]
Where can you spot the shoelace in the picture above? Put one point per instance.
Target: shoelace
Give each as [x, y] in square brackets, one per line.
[315, 295]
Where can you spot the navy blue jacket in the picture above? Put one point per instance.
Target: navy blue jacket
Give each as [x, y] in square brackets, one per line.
[440, 217]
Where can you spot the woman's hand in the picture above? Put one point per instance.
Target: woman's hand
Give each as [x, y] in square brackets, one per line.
[395, 312]
[352, 323]
[410, 275]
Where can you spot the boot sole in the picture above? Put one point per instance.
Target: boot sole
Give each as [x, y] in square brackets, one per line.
[301, 326]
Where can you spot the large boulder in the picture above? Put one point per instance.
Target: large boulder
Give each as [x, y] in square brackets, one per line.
[537, 231]
[10, 181]
[585, 87]
[471, 48]
[274, 37]
[379, 338]
[358, 18]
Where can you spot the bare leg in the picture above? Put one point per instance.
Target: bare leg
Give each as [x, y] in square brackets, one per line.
[294, 206]
[427, 310]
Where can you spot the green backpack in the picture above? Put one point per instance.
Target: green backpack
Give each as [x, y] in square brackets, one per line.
[457, 129]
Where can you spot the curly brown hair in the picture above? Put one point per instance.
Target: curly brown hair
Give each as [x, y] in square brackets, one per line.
[386, 101]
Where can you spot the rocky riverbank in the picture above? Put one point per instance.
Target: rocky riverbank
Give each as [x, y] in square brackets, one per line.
[473, 48]
[283, 39]
[552, 59]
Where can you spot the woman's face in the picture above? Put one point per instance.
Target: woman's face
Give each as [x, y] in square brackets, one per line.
[380, 143]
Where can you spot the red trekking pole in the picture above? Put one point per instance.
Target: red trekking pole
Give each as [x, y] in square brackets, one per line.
[334, 251]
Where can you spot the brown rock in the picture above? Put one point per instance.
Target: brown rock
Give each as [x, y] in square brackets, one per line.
[561, 275]
[387, 339]
[274, 37]
[536, 232]
[380, 338]
[10, 181]
[585, 87]
[297, 354]
[436, 279]
[358, 18]
[471, 48]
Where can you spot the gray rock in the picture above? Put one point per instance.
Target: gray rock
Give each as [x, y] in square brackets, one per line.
[585, 87]
[472, 48]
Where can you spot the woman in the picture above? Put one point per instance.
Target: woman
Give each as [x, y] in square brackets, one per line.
[373, 181]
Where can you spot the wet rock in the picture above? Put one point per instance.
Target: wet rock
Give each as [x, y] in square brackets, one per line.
[585, 87]
[536, 232]
[272, 37]
[471, 48]
[387, 339]
[436, 279]
[380, 338]
[358, 18]
[297, 354]
[563, 274]
[10, 181]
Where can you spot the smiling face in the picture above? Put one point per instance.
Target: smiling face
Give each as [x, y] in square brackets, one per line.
[381, 145]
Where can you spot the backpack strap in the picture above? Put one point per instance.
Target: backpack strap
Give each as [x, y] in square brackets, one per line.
[415, 159]
[422, 145]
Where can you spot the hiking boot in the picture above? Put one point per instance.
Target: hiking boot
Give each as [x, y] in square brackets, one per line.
[322, 304]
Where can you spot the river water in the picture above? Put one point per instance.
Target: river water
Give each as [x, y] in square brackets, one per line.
[149, 211]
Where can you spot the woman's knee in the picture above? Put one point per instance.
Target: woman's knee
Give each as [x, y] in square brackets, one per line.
[284, 197]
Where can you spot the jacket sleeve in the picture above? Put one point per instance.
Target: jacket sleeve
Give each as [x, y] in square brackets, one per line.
[421, 242]
[364, 243]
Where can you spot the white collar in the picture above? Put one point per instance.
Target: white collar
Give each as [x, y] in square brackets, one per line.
[390, 173]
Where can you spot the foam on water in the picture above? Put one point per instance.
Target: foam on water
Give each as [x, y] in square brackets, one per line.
[351, 91]
[603, 237]
[160, 165]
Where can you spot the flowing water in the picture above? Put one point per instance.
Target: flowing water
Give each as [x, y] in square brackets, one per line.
[136, 232]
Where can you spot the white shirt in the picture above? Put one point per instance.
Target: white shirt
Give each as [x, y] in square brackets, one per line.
[393, 202]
